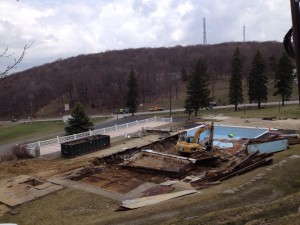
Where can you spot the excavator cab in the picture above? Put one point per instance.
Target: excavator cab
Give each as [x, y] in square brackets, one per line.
[189, 139]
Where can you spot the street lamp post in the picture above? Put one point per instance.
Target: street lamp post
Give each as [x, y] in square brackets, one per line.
[295, 11]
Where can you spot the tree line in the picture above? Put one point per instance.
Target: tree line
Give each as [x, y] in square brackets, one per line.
[98, 81]
[198, 93]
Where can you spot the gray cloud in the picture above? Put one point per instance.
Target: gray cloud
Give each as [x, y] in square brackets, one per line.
[62, 29]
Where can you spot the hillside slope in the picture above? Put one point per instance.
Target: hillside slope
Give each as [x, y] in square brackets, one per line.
[98, 80]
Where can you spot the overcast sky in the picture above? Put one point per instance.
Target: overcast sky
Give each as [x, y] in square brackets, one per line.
[65, 28]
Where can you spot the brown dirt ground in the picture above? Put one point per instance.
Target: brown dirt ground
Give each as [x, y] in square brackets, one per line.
[271, 200]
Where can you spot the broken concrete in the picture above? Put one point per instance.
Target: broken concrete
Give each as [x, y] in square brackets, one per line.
[24, 188]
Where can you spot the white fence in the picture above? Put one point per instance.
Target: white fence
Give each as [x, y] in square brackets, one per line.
[59, 140]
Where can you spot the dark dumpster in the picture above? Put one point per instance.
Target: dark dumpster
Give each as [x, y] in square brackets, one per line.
[84, 146]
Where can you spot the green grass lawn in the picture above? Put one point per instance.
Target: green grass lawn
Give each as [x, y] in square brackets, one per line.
[22, 131]
[288, 111]
[26, 130]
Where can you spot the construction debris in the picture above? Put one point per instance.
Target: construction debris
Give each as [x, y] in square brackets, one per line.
[236, 165]
[83, 172]
[158, 130]
[144, 171]
[157, 163]
[293, 140]
[24, 188]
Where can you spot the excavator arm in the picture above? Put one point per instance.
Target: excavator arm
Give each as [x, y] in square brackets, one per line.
[188, 144]
[200, 130]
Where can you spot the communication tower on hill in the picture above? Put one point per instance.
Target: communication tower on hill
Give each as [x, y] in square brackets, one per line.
[244, 33]
[204, 32]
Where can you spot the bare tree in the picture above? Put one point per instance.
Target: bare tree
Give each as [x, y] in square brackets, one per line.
[16, 61]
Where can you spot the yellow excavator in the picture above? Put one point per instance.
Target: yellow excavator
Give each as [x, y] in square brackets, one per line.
[189, 144]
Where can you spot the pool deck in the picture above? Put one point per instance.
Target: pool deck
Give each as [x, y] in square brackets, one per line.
[236, 132]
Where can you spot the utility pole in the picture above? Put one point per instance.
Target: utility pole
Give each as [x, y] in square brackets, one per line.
[244, 33]
[295, 11]
[170, 93]
[204, 32]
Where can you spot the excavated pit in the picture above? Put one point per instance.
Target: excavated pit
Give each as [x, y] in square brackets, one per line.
[116, 179]
[109, 174]
[147, 170]
[33, 182]
[162, 164]
[122, 172]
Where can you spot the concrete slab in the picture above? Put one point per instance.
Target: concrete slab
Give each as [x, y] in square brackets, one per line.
[24, 188]
[145, 201]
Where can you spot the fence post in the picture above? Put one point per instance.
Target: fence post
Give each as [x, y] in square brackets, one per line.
[74, 135]
[90, 132]
[39, 144]
[37, 151]
[57, 137]
[171, 119]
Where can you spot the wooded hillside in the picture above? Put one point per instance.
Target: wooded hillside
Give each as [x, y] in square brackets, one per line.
[98, 80]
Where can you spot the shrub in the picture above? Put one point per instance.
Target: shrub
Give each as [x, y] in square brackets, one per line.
[6, 157]
[20, 152]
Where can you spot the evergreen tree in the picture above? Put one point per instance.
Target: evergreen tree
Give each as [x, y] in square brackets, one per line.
[188, 107]
[235, 85]
[257, 81]
[197, 89]
[79, 122]
[184, 76]
[284, 78]
[132, 95]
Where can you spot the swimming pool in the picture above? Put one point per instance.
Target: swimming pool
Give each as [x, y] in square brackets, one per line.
[231, 132]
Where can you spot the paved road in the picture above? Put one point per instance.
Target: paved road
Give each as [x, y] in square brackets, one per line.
[151, 114]
[226, 106]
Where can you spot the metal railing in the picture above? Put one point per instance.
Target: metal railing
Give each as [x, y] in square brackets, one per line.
[58, 140]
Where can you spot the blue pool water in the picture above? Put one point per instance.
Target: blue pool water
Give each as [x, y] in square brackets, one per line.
[227, 132]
